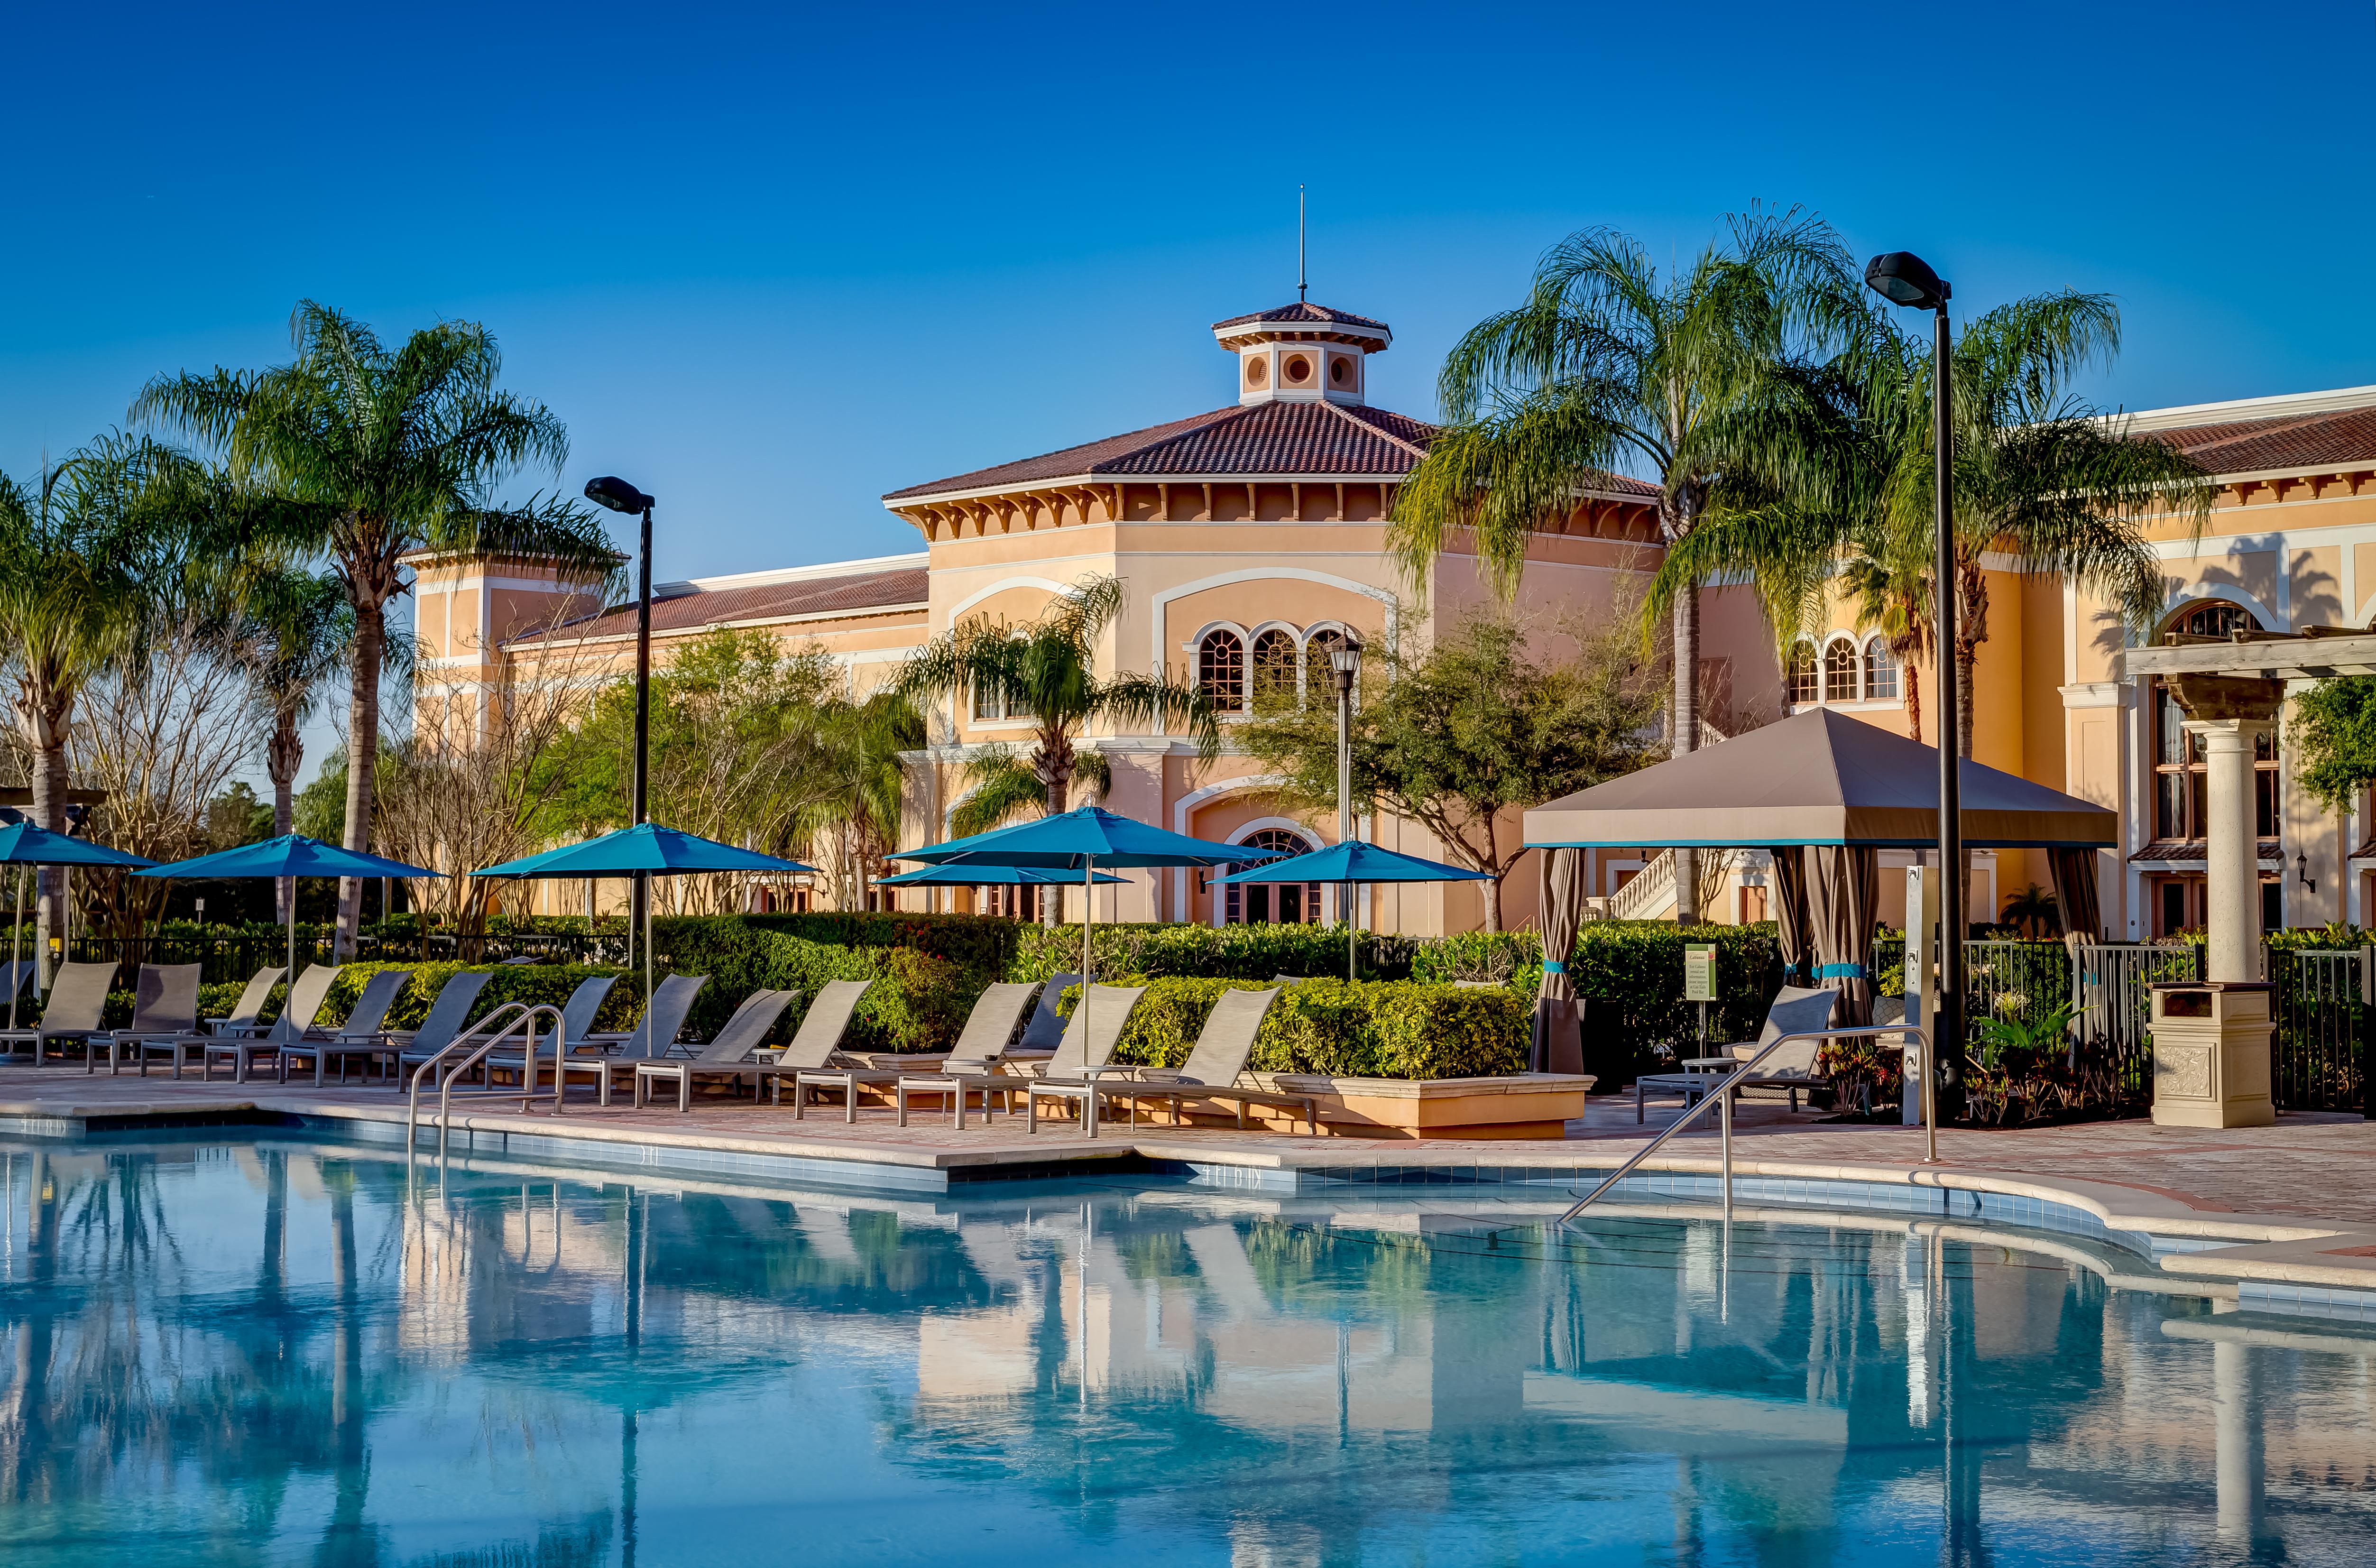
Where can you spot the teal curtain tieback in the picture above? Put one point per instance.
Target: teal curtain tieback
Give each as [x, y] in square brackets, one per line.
[1553, 967]
[1841, 971]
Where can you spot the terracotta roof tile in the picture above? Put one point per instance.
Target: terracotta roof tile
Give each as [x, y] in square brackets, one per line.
[763, 601]
[2343, 436]
[1303, 310]
[1287, 439]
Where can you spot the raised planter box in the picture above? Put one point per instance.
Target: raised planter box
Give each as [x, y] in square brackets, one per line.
[1525, 1105]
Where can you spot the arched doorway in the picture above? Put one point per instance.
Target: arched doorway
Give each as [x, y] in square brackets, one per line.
[1281, 903]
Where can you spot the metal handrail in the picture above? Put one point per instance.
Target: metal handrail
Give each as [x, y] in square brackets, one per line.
[1723, 1098]
[524, 1020]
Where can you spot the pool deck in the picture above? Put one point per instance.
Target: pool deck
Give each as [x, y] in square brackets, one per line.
[2291, 1207]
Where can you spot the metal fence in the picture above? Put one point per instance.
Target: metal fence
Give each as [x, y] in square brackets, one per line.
[2319, 1000]
[224, 958]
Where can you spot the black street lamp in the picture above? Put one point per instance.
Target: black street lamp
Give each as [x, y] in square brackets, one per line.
[1345, 662]
[1905, 279]
[621, 497]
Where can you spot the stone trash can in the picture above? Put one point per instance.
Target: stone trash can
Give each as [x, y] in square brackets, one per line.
[2211, 1053]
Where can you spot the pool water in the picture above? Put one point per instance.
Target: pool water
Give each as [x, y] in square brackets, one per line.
[235, 1349]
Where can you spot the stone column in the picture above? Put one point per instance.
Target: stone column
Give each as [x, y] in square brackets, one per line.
[2241, 1463]
[2232, 912]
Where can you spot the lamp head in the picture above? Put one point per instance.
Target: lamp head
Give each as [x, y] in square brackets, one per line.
[1905, 279]
[1345, 658]
[617, 494]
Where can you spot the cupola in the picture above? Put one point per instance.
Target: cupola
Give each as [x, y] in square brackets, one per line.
[1302, 352]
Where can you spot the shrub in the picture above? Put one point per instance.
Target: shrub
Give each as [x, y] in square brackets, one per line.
[1629, 974]
[1232, 952]
[919, 1001]
[1370, 1029]
[548, 984]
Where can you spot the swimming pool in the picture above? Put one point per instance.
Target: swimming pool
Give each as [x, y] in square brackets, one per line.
[238, 1349]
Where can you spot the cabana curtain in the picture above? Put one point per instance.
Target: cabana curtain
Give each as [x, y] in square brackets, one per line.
[2076, 891]
[1843, 887]
[1558, 1034]
[1794, 932]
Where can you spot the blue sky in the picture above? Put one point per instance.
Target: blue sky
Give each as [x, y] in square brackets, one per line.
[769, 263]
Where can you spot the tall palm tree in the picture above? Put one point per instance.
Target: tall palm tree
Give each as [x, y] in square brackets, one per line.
[1892, 595]
[857, 784]
[1046, 672]
[87, 551]
[385, 452]
[299, 626]
[1611, 365]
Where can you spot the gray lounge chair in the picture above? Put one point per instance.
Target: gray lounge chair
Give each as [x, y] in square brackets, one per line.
[1795, 1010]
[246, 1012]
[164, 1015]
[1088, 1046]
[359, 1035]
[727, 1055]
[972, 1065]
[577, 1014]
[304, 1004]
[809, 1061]
[447, 1014]
[77, 997]
[22, 970]
[650, 1040]
[1046, 1029]
[1212, 1070]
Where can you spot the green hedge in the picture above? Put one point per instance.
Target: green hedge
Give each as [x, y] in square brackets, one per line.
[921, 1005]
[536, 984]
[1387, 1030]
[1233, 952]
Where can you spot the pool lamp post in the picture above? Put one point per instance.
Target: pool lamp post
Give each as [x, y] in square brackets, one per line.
[1345, 662]
[1905, 279]
[621, 497]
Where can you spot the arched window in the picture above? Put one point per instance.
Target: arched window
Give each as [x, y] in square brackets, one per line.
[1319, 666]
[1799, 678]
[1221, 671]
[1273, 672]
[1265, 903]
[1839, 672]
[1880, 672]
[2180, 787]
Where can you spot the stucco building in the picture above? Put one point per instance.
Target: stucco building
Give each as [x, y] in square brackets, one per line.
[1251, 536]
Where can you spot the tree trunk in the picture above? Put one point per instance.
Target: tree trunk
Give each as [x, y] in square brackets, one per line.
[1905, 673]
[50, 811]
[363, 761]
[1052, 899]
[1971, 630]
[283, 754]
[1687, 736]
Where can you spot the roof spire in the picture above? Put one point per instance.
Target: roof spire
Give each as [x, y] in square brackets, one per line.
[1303, 274]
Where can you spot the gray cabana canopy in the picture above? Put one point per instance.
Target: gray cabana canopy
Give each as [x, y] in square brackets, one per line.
[1820, 778]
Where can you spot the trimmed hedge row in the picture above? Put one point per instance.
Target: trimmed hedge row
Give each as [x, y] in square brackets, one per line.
[1339, 1028]
[536, 984]
[1232, 952]
[922, 1008]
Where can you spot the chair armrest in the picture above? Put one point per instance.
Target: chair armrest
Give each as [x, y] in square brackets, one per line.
[1726, 1061]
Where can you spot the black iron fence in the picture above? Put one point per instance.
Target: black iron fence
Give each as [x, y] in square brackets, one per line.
[2319, 999]
[224, 958]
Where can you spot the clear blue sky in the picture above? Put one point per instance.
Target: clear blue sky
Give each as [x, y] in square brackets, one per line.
[769, 263]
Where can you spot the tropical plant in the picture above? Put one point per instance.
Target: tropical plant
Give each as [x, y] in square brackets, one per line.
[381, 453]
[298, 628]
[1611, 366]
[2332, 739]
[857, 784]
[1456, 738]
[1045, 671]
[1001, 783]
[2010, 1041]
[1890, 589]
[2035, 910]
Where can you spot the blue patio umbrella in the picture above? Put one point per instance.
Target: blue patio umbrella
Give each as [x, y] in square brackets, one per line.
[645, 849]
[292, 855]
[1079, 841]
[1355, 862]
[984, 876]
[23, 844]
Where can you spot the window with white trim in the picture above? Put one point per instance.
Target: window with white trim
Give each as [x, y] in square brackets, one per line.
[1880, 672]
[1839, 672]
[1221, 671]
[1272, 903]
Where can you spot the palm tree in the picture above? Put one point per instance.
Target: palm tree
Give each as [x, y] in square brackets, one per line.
[85, 552]
[1611, 366]
[384, 452]
[298, 627]
[856, 786]
[1046, 672]
[2035, 910]
[1893, 596]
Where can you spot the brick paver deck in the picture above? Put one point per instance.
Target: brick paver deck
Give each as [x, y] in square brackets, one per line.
[2316, 1166]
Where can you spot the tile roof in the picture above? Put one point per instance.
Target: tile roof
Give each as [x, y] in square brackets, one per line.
[1303, 310]
[768, 601]
[1289, 439]
[2341, 436]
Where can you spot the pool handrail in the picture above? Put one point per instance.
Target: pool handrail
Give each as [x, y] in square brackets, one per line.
[1722, 1096]
[513, 1017]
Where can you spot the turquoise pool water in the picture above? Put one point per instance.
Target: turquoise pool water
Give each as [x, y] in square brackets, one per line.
[235, 1350]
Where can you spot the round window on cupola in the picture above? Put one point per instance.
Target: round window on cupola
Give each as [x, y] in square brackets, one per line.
[1341, 370]
[1295, 370]
[1256, 371]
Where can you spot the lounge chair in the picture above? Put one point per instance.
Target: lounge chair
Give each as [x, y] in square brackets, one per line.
[1046, 1029]
[297, 1015]
[972, 1065]
[447, 1014]
[809, 1061]
[654, 1034]
[728, 1053]
[77, 997]
[242, 1021]
[1795, 1009]
[1088, 1045]
[360, 1035]
[577, 1036]
[1211, 1072]
[578, 1013]
[22, 971]
[164, 1013]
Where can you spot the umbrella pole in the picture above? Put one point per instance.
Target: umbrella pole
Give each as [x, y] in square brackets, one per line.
[651, 1047]
[16, 946]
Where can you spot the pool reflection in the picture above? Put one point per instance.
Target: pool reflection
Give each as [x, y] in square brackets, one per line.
[246, 1351]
